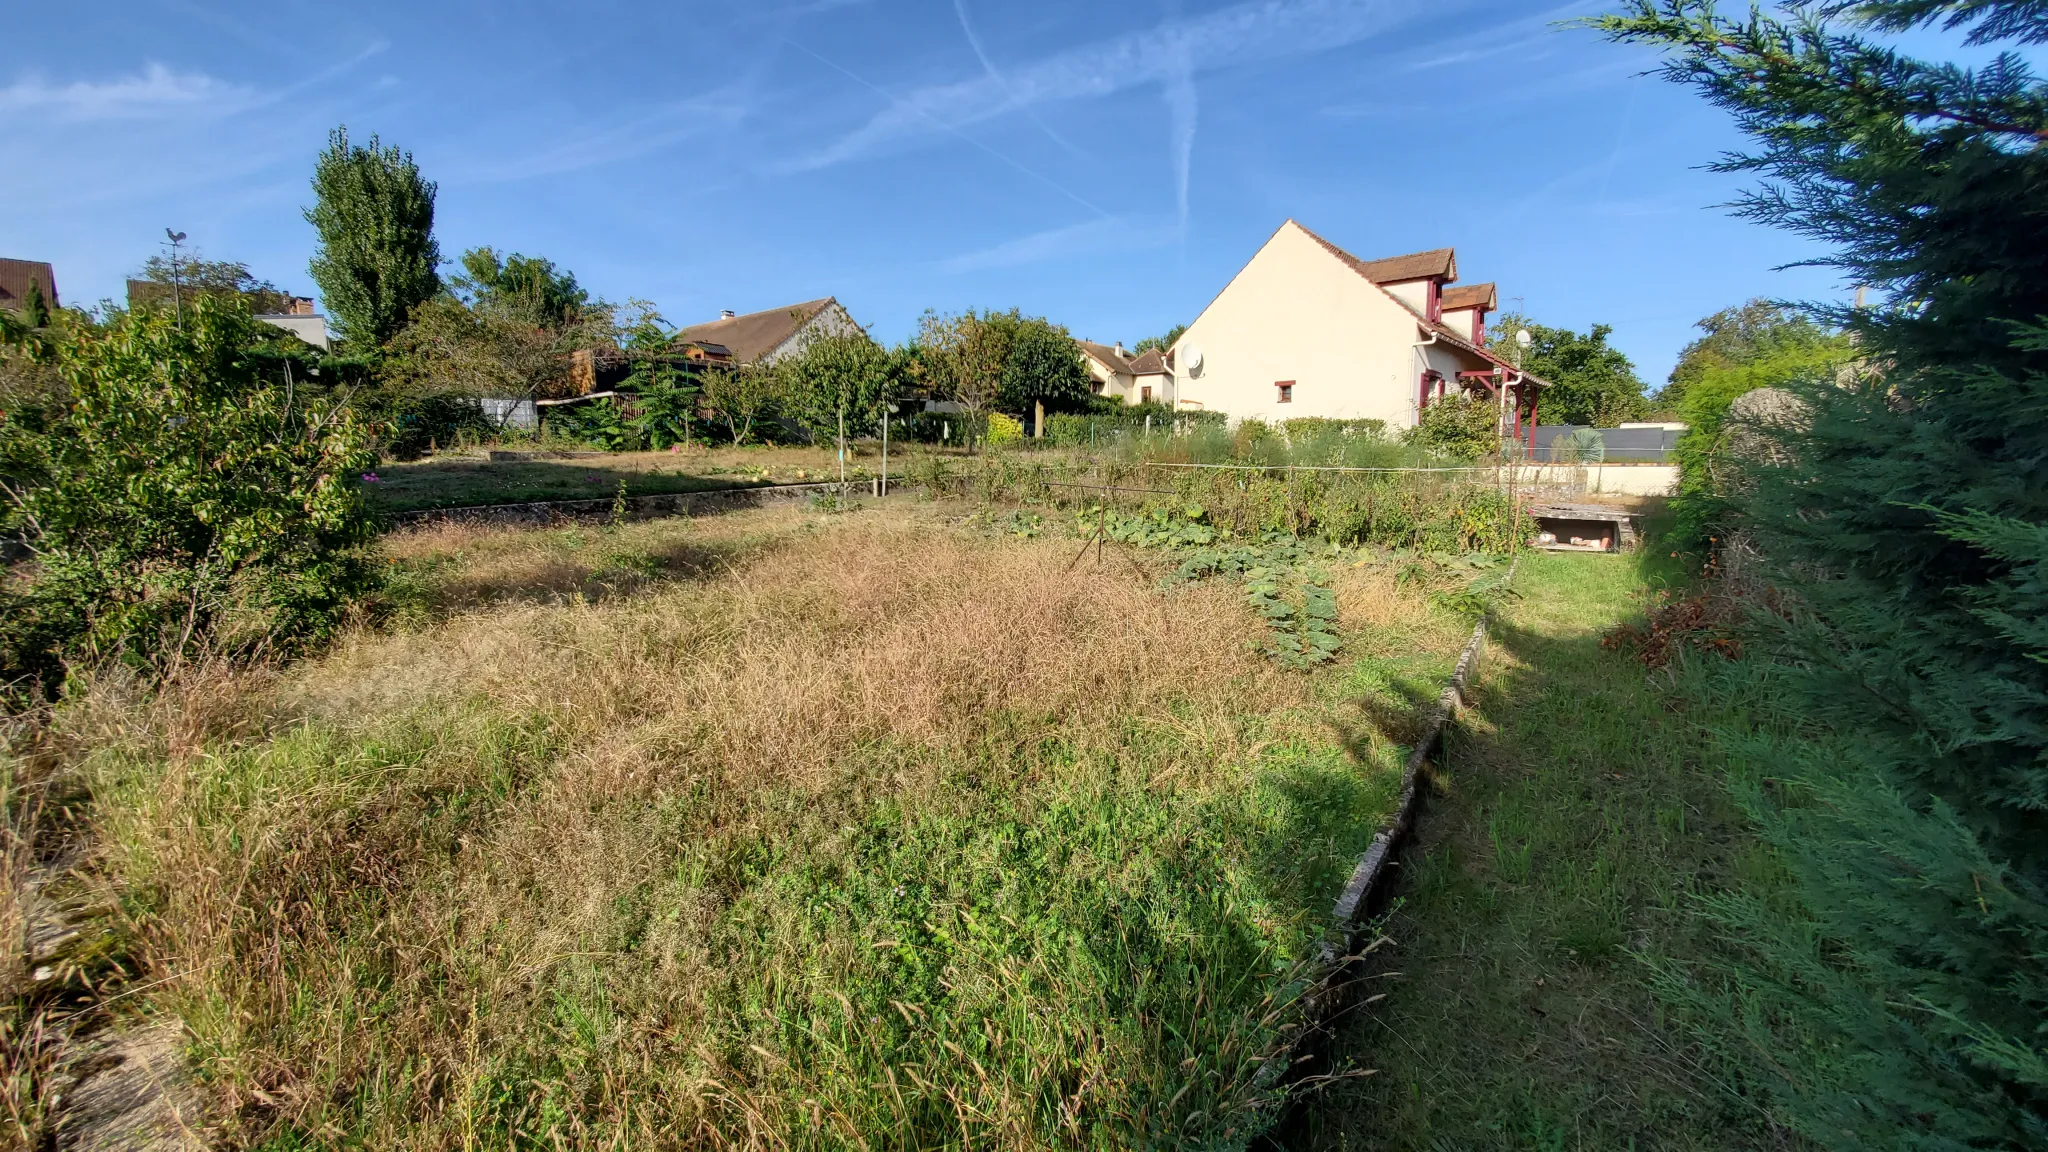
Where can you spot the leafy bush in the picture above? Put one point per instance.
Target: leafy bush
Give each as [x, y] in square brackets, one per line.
[835, 376]
[602, 423]
[181, 500]
[664, 408]
[1459, 427]
[1305, 428]
[1112, 420]
[1003, 429]
[1701, 504]
[406, 426]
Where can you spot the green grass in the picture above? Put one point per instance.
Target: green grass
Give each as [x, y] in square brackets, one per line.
[1579, 816]
[778, 830]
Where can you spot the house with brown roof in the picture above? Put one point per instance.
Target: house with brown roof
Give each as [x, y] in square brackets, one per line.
[1109, 368]
[767, 336]
[1308, 329]
[15, 278]
[1133, 377]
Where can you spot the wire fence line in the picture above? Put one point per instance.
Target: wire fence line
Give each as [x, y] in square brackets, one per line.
[1107, 487]
[1489, 468]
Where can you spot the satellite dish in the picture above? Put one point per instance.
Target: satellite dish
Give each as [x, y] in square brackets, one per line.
[1193, 357]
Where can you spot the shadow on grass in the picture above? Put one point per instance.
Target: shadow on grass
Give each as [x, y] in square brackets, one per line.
[569, 566]
[470, 483]
[1397, 713]
[1571, 828]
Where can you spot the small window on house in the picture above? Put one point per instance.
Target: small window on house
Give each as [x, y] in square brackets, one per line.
[1145, 393]
[1096, 385]
[1286, 388]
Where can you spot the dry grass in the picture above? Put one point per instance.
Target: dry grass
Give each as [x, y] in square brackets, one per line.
[839, 831]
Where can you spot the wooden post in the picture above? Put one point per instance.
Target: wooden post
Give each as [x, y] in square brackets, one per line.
[1038, 420]
[882, 489]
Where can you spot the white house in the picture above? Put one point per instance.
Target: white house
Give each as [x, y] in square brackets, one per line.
[1307, 329]
[1133, 377]
[307, 325]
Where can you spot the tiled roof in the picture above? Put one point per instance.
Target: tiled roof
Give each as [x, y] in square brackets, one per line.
[15, 276]
[755, 334]
[1437, 263]
[1107, 355]
[1474, 296]
[1151, 363]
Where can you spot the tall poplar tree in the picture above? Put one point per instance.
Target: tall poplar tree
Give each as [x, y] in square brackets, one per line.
[1904, 515]
[377, 258]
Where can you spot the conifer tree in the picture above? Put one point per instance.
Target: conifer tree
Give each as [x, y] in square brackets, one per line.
[1906, 521]
[35, 311]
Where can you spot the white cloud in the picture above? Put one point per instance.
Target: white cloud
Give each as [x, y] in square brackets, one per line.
[1096, 236]
[643, 135]
[1243, 33]
[155, 91]
[1180, 101]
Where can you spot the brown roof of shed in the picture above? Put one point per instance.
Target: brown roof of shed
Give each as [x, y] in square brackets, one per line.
[1474, 296]
[755, 334]
[15, 277]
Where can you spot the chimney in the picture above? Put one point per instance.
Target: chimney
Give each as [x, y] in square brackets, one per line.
[1120, 349]
[726, 313]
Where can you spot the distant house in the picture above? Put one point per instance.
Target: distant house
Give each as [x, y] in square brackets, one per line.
[17, 275]
[301, 321]
[1120, 374]
[765, 337]
[1109, 368]
[1308, 329]
[294, 314]
[1152, 377]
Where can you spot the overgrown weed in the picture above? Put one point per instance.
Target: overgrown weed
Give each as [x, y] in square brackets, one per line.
[853, 830]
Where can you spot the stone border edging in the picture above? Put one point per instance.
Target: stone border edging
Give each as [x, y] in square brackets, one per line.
[1372, 878]
[1359, 894]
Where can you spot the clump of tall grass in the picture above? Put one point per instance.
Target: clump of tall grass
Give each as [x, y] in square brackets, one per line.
[879, 835]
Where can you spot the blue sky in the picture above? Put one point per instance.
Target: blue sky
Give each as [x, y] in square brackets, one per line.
[1109, 166]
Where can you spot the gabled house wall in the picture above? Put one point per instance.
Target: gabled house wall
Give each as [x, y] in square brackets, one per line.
[831, 320]
[1308, 330]
[1296, 314]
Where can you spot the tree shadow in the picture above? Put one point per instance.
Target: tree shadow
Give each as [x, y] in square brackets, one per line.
[1570, 830]
[474, 483]
[440, 587]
